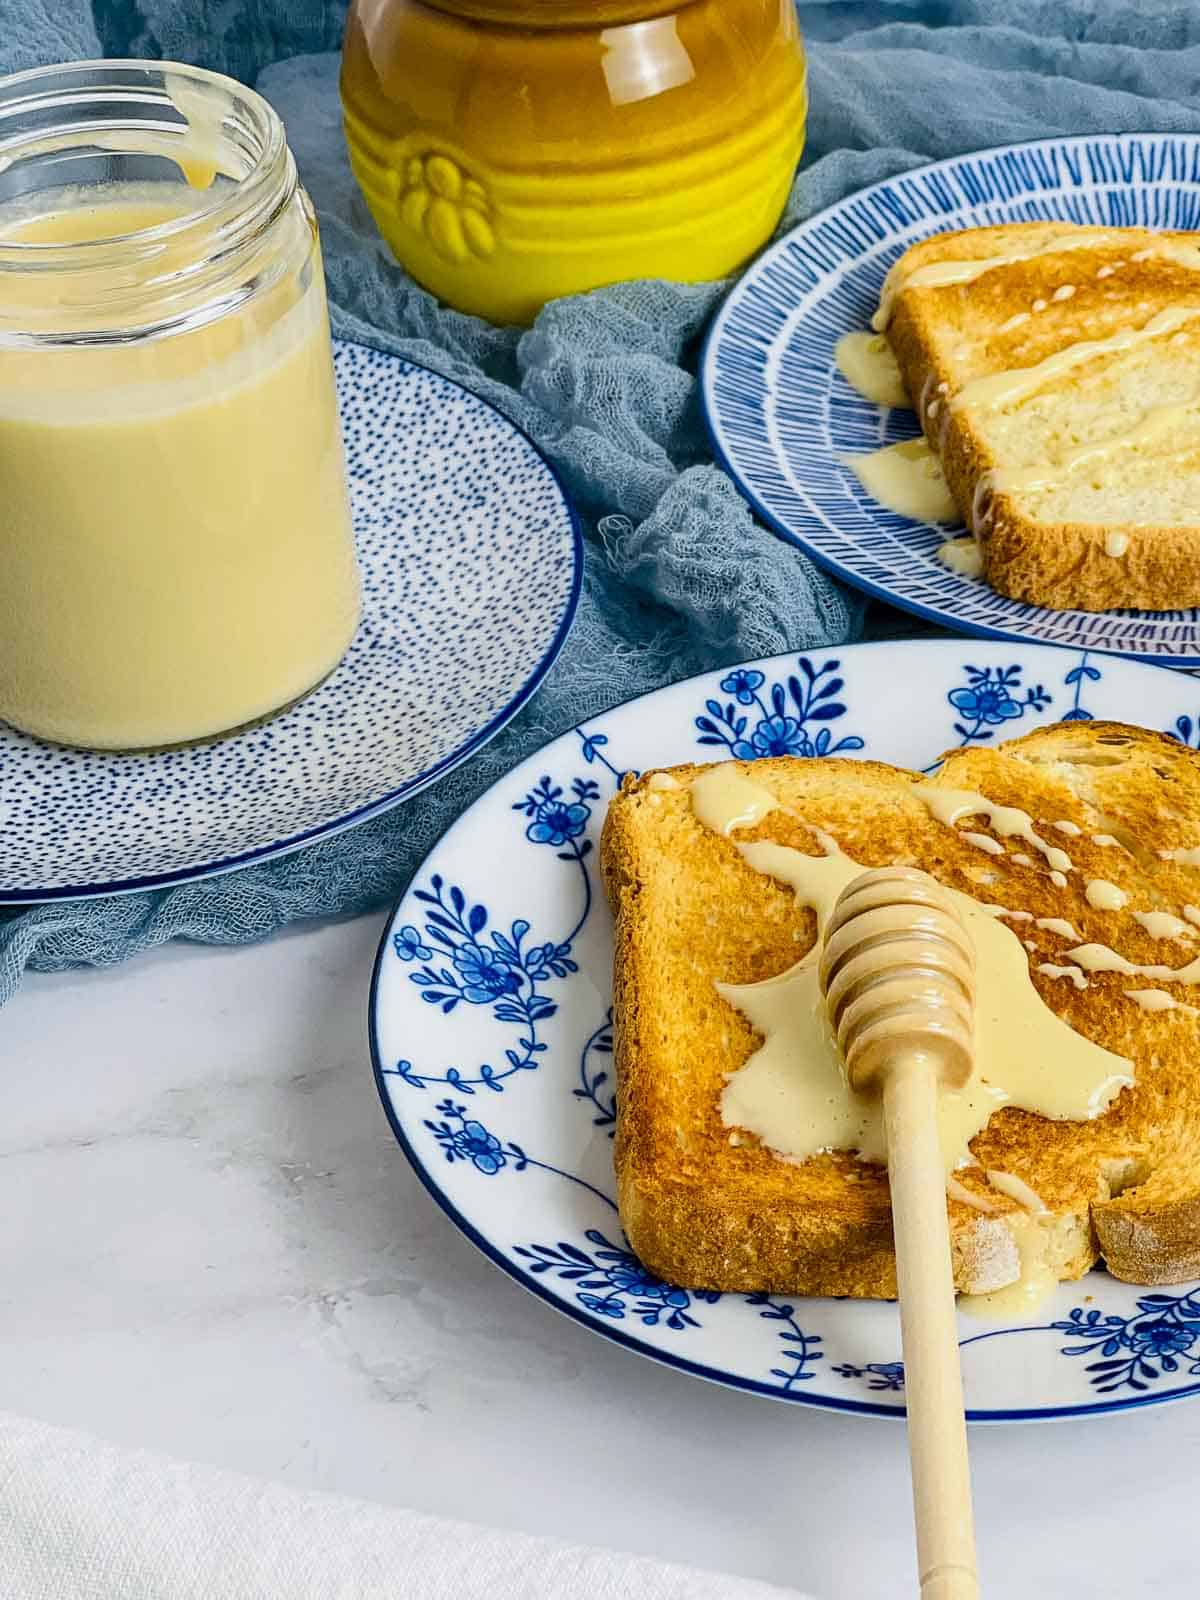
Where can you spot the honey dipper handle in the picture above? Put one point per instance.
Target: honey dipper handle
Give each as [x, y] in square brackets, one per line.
[937, 1435]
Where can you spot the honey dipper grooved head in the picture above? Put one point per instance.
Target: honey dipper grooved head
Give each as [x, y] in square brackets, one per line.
[898, 973]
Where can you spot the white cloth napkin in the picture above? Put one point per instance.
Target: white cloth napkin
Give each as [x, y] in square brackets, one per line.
[85, 1520]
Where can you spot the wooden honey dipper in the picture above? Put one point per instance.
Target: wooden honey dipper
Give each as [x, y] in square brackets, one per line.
[898, 973]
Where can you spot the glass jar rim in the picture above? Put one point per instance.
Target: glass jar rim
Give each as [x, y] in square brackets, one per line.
[242, 212]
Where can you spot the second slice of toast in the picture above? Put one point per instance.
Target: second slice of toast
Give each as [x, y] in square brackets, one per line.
[1056, 371]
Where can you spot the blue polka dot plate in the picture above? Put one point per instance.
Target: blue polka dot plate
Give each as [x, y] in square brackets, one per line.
[491, 1032]
[471, 564]
[780, 414]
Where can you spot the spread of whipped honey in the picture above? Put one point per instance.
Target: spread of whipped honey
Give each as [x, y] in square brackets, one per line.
[792, 1092]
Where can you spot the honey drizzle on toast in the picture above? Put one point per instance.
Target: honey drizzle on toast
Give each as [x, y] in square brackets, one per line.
[792, 1093]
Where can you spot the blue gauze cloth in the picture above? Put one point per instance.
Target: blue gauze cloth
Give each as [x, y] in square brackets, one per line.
[679, 577]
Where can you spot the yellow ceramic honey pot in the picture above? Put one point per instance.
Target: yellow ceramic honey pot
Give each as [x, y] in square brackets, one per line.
[515, 150]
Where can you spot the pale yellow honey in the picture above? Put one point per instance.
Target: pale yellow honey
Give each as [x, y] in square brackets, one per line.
[176, 555]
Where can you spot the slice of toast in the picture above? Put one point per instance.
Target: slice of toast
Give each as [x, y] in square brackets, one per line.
[711, 1207]
[1056, 371]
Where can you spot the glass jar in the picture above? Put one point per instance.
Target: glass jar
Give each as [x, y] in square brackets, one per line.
[515, 150]
[176, 554]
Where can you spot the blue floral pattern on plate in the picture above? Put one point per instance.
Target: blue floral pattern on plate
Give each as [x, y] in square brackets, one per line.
[771, 721]
[494, 968]
[610, 1280]
[595, 1075]
[991, 698]
[468, 996]
[887, 1375]
[463, 1138]
[782, 417]
[1159, 1338]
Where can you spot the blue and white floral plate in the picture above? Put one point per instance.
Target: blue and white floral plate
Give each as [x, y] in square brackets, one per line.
[491, 1032]
[471, 564]
[780, 413]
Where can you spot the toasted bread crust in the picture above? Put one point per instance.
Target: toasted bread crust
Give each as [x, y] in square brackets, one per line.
[710, 1211]
[945, 336]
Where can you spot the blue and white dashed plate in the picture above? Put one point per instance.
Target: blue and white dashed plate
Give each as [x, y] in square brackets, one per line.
[471, 565]
[780, 413]
[491, 1032]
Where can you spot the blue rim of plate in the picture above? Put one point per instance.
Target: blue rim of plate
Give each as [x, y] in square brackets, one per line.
[806, 526]
[628, 1342]
[404, 791]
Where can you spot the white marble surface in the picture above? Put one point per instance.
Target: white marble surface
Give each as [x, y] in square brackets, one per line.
[211, 1245]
